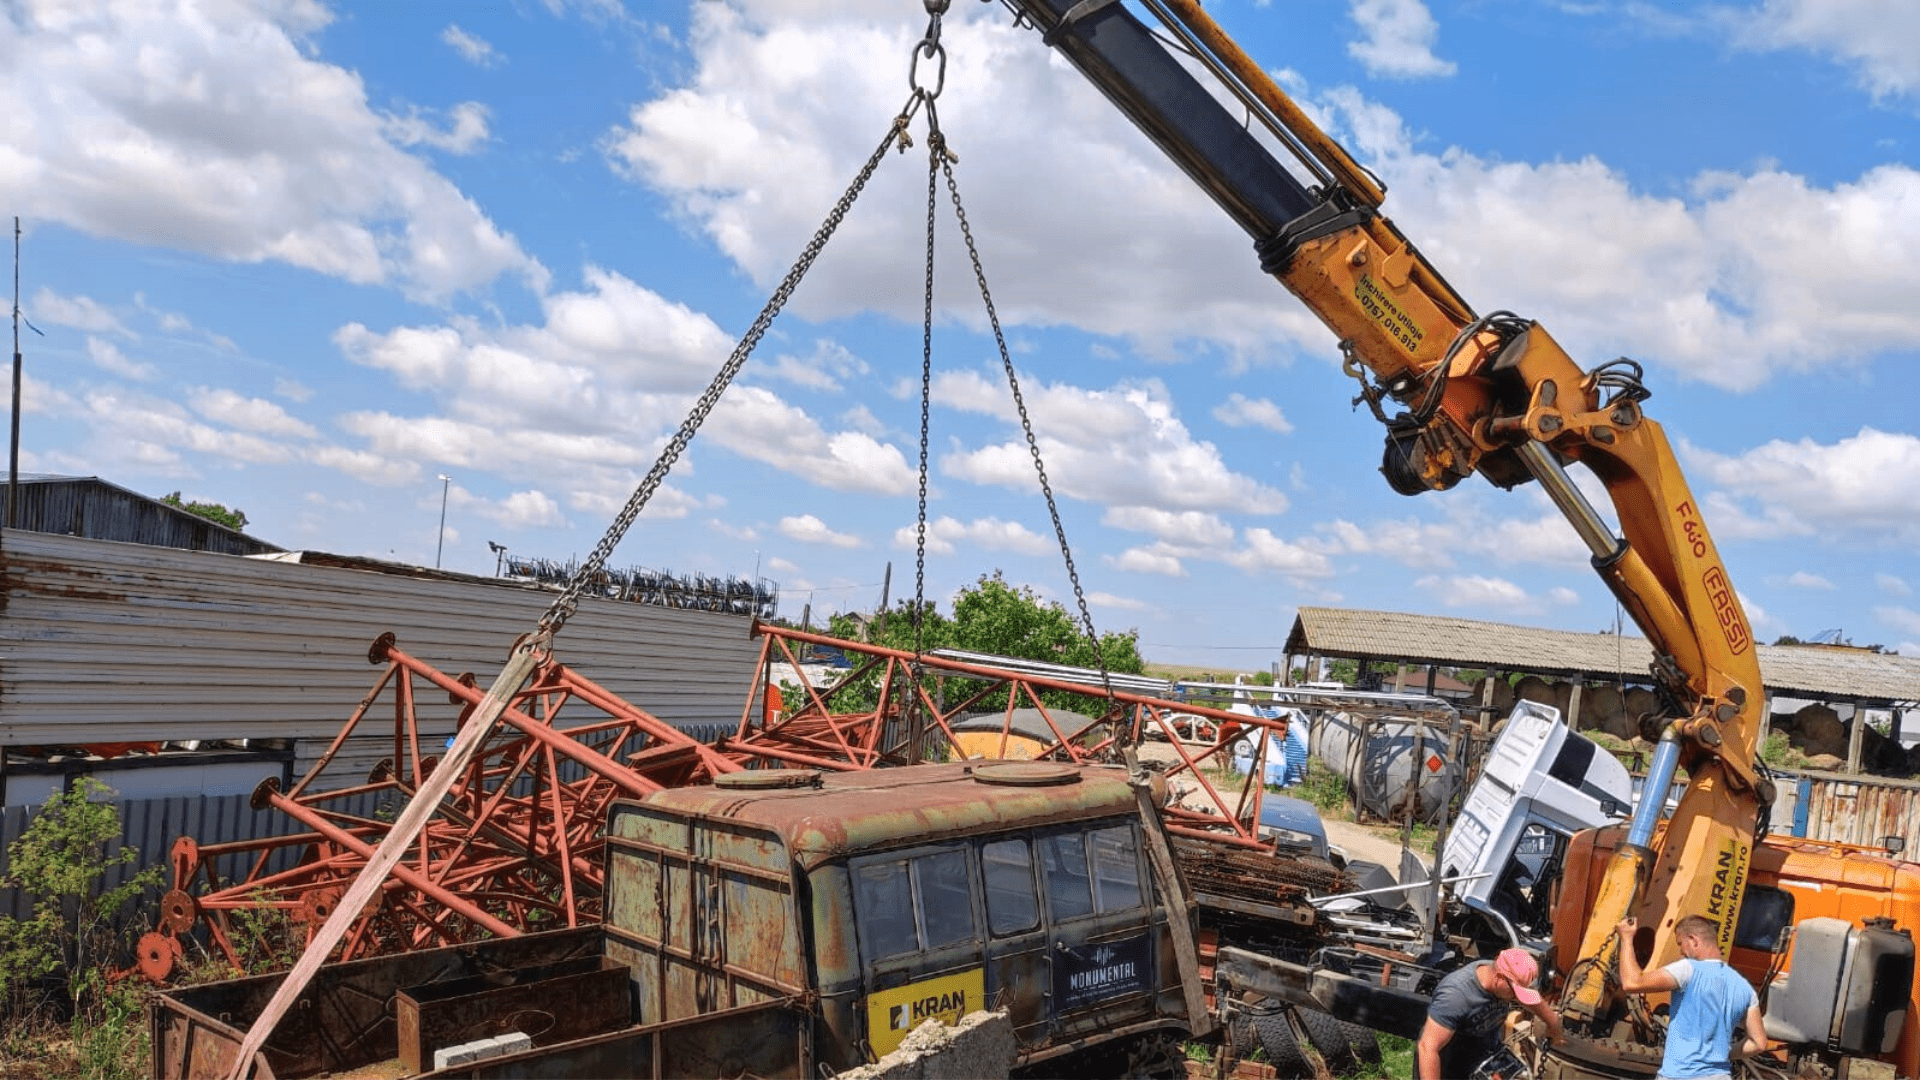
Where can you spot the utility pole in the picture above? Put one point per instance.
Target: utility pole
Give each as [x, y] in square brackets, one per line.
[13, 456]
[445, 482]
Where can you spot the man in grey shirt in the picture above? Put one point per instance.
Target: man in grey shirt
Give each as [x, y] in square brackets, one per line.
[1469, 1008]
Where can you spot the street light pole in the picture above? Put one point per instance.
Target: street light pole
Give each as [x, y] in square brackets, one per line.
[445, 482]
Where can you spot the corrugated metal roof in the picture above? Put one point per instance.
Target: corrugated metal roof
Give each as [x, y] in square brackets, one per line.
[107, 642]
[1817, 671]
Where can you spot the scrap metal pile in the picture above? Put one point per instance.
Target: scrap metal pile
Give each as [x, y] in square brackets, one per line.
[515, 845]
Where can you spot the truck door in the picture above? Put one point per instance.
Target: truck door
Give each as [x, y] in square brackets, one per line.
[920, 947]
[1019, 951]
[1106, 950]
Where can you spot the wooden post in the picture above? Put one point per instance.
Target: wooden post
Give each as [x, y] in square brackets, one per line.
[1856, 738]
[1573, 705]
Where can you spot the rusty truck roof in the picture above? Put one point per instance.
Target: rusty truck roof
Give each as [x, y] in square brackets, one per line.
[826, 815]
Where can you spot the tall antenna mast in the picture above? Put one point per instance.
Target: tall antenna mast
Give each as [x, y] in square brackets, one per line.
[13, 455]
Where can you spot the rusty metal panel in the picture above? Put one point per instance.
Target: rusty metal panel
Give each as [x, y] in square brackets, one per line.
[550, 1003]
[880, 808]
[703, 908]
[770, 1040]
[343, 1020]
[110, 642]
[1863, 810]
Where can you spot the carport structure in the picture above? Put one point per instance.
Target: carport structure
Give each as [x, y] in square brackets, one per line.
[1834, 674]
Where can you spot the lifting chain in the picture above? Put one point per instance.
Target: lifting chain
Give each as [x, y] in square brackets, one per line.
[940, 162]
[568, 602]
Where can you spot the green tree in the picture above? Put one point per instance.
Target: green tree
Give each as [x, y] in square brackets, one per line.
[214, 512]
[989, 616]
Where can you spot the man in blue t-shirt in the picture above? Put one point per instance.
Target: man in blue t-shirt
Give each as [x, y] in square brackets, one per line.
[1711, 1001]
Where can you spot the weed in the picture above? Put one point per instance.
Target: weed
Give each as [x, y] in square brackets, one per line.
[1780, 753]
[1325, 789]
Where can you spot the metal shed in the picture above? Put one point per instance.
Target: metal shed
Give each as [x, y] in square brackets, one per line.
[90, 507]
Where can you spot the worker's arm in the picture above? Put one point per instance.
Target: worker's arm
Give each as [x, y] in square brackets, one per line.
[1632, 979]
[1756, 1039]
[1427, 1051]
[1544, 1012]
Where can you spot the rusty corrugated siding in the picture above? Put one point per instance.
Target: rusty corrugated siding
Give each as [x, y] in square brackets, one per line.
[1856, 810]
[106, 642]
[1801, 671]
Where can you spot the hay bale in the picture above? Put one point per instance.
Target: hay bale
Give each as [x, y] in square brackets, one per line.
[1537, 690]
[1827, 762]
[1817, 730]
[1502, 693]
[1604, 708]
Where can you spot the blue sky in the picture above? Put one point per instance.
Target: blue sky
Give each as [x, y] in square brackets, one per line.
[304, 258]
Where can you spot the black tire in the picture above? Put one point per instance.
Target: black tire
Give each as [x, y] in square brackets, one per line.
[1330, 1038]
[1275, 1032]
[1363, 1040]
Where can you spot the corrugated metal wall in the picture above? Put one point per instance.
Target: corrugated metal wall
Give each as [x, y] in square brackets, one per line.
[109, 642]
[1853, 810]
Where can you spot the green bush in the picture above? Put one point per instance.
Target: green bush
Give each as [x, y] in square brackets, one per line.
[59, 958]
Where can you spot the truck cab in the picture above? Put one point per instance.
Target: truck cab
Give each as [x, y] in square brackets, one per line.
[894, 896]
[1541, 783]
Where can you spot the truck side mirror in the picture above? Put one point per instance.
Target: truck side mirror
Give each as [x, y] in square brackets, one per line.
[1894, 844]
[1614, 808]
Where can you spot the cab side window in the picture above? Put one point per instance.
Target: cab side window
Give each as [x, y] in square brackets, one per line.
[1006, 868]
[883, 897]
[1063, 860]
[1116, 868]
[911, 905]
[944, 899]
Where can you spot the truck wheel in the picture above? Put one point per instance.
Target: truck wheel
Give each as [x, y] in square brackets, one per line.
[1330, 1038]
[1275, 1032]
[1345, 1045]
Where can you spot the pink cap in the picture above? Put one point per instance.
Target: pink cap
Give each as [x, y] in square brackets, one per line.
[1519, 967]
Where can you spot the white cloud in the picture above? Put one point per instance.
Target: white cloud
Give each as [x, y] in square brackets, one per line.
[1879, 40]
[732, 531]
[134, 429]
[1864, 486]
[107, 357]
[1475, 591]
[79, 312]
[1398, 42]
[945, 535]
[1242, 411]
[1801, 579]
[525, 509]
[473, 49]
[253, 414]
[1119, 447]
[1117, 603]
[292, 389]
[366, 466]
[212, 129]
[463, 131]
[1893, 586]
[1904, 619]
[1156, 558]
[1265, 551]
[1736, 280]
[755, 424]
[1188, 528]
[825, 368]
[807, 529]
